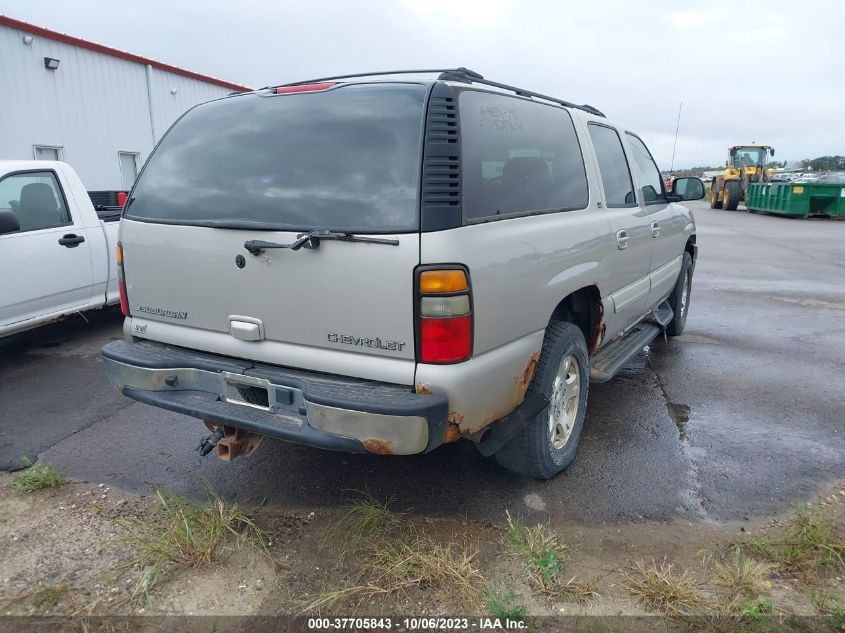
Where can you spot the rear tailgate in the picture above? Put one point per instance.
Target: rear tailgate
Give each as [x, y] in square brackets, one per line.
[268, 168]
[320, 309]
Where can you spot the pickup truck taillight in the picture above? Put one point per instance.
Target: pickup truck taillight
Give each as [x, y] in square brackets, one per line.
[444, 315]
[121, 281]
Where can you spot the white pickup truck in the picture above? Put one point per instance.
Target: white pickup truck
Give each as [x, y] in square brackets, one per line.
[56, 250]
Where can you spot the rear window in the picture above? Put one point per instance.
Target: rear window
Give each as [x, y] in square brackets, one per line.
[346, 159]
[518, 157]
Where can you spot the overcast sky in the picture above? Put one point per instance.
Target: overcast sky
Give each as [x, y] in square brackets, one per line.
[770, 72]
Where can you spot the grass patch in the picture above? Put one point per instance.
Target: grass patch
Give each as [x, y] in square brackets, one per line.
[47, 597]
[543, 556]
[392, 566]
[183, 534]
[36, 477]
[740, 576]
[663, 590]
[808, 543]
[363, 519]
[757, 609]
[390, 558]
[504, 603]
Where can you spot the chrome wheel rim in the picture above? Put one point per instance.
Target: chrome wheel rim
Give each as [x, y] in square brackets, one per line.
[685, 295]
[564, 402]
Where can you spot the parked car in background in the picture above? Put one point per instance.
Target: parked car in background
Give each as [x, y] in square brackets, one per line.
[56, 250]
[385, 265]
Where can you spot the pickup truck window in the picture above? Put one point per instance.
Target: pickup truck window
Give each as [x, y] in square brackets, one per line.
[36, 199]
[344, 159]
[518, 157]
[649, 174]
[613, 166]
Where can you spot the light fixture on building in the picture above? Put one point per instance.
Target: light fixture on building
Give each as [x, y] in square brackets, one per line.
[173, 91]
[27, 39]
[51, 64]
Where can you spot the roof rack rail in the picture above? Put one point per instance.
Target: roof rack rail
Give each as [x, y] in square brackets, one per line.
[456, 74]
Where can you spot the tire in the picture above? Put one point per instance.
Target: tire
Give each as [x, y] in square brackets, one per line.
[542, 450]
[680, 297]
[715, 198]
[733, 193]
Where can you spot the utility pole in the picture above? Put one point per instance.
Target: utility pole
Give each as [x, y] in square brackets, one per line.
[677, 127]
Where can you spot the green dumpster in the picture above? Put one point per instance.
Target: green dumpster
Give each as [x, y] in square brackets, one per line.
[798, 199]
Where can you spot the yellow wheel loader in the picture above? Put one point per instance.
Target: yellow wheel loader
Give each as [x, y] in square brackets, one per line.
[745, 164]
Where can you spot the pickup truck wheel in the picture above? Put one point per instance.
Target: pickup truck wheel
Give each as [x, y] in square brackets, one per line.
[547, 445]
[680, 297]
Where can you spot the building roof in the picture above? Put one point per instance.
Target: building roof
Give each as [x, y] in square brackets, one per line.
[99, 48]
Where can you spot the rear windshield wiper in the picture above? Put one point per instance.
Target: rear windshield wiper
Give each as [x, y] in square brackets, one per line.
[312, 240]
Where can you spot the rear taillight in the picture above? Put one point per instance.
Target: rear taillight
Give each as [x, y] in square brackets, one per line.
[121, 280]
[286, 90]
[444, 315]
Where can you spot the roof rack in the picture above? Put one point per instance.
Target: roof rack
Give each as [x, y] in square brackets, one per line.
[456, 74]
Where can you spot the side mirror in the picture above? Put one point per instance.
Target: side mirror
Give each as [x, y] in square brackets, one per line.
[688, 188]
[9, 222]
[772, 151]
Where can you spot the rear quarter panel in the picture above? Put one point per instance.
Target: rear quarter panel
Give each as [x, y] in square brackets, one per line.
[520, 270]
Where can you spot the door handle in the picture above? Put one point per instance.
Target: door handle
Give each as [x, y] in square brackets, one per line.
[655, 229]
[622, 239]
[71, 240]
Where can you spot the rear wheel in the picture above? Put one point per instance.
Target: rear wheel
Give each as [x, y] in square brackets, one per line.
[680, 298]
[548, 443]
[733, 193]
[715, 197]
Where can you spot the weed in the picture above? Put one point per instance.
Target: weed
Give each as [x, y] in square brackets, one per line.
[742, 577]
[184, 534]
[824, 601]
[808, 543]
[539, 547]
[364, 519]
[756, 609]
[37, 476]
[47, 597]
[504, 603]
[663, 590]
[393, 566]
[543, 556]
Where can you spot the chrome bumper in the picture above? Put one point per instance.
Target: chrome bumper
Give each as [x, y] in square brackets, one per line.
[325, 411]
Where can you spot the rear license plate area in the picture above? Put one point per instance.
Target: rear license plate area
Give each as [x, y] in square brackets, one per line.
[249, 395]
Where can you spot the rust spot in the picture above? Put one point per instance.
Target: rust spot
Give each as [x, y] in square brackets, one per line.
[378, 447]
[453, 433]
[453, 428]
[527, 375]
[422, 388]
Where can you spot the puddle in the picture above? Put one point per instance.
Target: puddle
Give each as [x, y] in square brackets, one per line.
[680, 416]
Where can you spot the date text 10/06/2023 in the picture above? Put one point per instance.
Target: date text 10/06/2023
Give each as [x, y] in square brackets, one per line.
[413, 624]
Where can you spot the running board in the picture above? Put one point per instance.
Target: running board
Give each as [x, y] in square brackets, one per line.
[613, 357]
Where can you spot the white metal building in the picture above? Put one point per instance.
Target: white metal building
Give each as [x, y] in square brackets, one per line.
[100, 109]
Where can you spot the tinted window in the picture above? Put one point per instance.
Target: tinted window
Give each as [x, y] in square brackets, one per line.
[344, 159]
[647, 172]
[613, 166]
[36, 199]
[518, 156]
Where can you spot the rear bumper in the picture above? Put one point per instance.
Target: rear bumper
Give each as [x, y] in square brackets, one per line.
[332, 412]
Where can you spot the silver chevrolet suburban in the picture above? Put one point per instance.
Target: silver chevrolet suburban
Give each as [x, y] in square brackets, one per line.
[388, 262]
